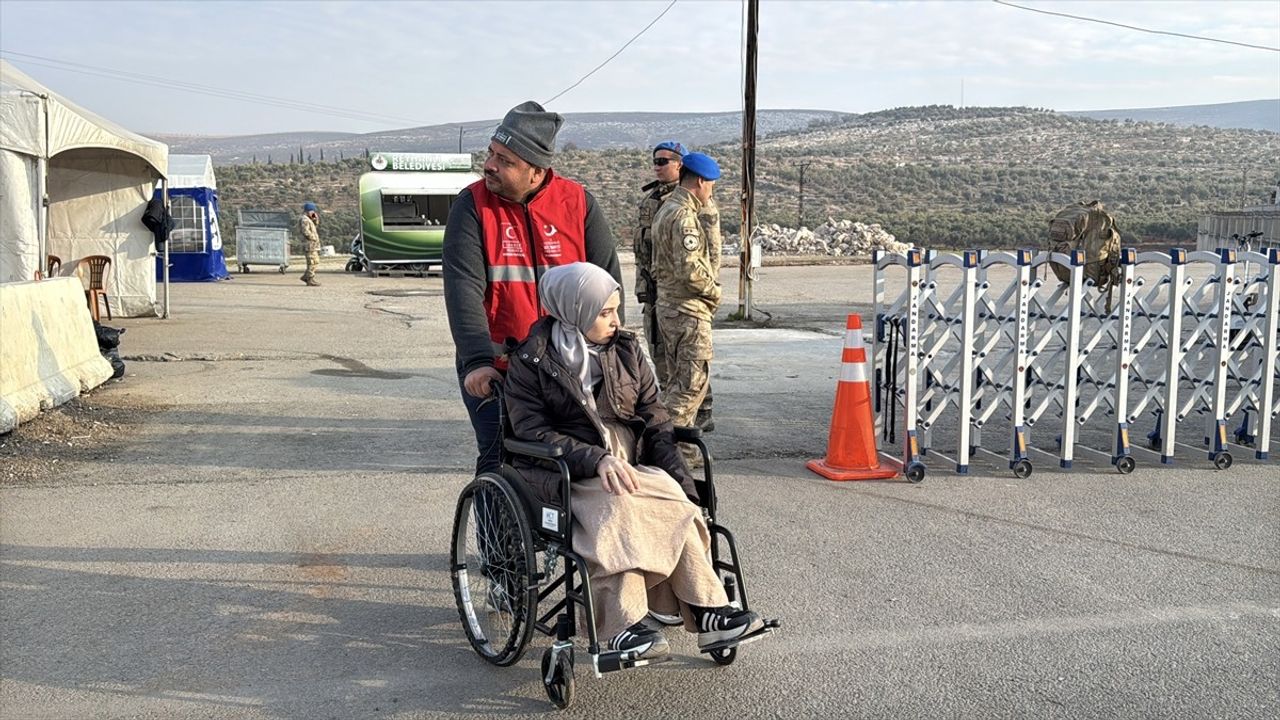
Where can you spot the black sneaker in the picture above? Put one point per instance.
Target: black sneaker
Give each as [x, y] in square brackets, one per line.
[644, 643]
[716, 625]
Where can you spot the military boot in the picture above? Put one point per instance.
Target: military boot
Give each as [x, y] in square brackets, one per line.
[704, 422]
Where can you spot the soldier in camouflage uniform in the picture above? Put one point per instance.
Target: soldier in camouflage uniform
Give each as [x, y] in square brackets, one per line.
[686, 273]
[666, 169]
[311, 235]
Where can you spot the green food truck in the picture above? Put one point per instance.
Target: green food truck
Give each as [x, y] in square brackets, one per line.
[404, 204]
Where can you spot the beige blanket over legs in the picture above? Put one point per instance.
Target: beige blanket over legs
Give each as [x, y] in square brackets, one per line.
[634, 543]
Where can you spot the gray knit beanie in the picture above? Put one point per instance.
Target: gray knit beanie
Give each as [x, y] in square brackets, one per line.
[530, 131]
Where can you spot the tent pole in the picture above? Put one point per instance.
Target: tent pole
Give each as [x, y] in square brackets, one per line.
[42, 215]
[42, 171]
[164, 189]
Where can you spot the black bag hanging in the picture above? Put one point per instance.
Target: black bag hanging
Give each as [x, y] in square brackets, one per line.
[157, 219]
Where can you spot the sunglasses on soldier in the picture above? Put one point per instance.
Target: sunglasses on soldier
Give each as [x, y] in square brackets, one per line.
[663, 161]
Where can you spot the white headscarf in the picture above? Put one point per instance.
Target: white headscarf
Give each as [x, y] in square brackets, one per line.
[574, 295]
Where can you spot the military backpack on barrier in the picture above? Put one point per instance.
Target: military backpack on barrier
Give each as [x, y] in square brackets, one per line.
[1088, 227]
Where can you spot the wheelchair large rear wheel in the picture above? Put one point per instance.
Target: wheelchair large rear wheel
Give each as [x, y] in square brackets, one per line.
[492, 559]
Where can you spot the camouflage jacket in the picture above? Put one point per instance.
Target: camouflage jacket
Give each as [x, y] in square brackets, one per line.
[683, 267]
[642, 239]
[709, 219]
[310, 234]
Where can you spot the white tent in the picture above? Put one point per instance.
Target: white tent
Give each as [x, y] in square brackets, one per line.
[192, 171]
[97, 177]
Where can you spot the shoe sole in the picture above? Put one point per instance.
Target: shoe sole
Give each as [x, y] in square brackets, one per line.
[658, 648]
[665, 620]
[716, 637]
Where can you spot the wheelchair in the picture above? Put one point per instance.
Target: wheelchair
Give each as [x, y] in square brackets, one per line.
[510, 553]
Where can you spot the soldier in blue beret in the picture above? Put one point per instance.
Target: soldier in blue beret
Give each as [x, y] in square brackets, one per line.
[686, 262]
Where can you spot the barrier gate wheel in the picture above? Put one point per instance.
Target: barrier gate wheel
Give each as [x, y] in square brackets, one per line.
[914, 472]
[1222, 460]
[1126, 465]
[1022, 469]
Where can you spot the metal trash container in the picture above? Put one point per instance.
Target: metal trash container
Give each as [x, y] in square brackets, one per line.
[262, 238]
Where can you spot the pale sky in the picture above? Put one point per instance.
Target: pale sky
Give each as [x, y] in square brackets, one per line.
[421, 63]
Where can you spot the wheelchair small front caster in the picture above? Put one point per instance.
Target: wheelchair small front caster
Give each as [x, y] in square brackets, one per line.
[1222, 460]
[1125, 465]
[1022, 469]
[558, 681]
[724, 657]
[914, 472]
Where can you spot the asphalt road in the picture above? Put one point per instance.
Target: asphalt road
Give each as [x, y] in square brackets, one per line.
[271, 543]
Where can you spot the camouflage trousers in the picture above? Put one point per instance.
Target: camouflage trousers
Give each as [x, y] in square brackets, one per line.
[657, 351]
[313, 262]
[686, 343]
[653, 336]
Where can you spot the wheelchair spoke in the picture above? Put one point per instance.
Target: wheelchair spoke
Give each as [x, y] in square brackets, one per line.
[493, 555]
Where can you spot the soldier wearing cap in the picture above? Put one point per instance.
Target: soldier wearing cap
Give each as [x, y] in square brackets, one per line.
[687, 279]
[667, 161]
[666, 170]
[310, 225]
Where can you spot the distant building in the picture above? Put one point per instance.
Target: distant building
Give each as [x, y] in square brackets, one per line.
[1234, 228]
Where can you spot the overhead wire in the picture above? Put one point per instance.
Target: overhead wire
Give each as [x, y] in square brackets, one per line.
[1135, 27]
[616, 54]
[208, 90]
[157, 81]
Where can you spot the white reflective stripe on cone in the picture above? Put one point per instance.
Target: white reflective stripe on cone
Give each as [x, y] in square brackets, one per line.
[853, 372]
[853, 338]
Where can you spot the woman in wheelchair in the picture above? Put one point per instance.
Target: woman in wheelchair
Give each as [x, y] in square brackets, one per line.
[581, 382]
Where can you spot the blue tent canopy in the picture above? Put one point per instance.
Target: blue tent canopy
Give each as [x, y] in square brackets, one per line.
[195, 244]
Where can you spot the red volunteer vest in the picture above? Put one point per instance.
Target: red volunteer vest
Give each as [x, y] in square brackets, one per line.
[520, 243]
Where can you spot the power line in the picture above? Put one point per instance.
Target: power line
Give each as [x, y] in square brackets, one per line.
[208, 90]
[616, 54]
[1135, 27]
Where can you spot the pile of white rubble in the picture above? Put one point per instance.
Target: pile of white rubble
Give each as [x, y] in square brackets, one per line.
[833, 237]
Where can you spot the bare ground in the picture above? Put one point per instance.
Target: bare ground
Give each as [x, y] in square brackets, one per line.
[90, 427]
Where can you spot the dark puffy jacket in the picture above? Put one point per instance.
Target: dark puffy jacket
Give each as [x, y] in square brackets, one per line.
[545, 403]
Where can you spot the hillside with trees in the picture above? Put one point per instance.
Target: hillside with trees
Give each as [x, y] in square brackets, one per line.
[935, 176]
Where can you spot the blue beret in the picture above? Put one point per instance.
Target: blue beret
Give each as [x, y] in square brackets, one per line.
[671, 145]
[702, 166]
[309, 207]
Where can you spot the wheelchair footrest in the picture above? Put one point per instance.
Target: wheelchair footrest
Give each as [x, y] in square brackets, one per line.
[768, 627]
[616, 660]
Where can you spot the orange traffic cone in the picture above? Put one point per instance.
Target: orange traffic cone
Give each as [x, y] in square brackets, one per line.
[851, 447]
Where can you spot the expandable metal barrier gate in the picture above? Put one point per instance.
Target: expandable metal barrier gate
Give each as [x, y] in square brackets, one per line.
[952, 343]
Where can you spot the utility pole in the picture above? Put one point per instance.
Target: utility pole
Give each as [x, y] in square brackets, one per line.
[459, 138]
[745, 253]
[1244, 184]
[800, 208]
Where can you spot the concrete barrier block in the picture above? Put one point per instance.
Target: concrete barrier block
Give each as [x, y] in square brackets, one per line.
[48, 350]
